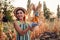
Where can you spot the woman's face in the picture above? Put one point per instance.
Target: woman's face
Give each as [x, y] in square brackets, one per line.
[20, 14]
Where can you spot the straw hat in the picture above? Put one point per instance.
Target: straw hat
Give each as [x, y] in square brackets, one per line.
[19, 8]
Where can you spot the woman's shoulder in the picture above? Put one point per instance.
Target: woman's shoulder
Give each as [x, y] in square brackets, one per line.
[15, 21]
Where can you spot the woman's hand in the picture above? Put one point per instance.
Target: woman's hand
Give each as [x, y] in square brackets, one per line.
[33, 24]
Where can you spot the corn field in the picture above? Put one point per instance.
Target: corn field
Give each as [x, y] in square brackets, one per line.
[45, 31]
[8, 32]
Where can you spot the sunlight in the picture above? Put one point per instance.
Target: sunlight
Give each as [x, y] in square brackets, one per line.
[51, 4]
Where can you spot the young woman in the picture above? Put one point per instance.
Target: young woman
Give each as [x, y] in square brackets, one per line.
[20, 25]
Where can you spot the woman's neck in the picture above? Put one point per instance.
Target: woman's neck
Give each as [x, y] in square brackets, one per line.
[21, 20]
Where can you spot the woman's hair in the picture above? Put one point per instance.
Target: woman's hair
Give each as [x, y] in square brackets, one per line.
[21, 10]
[17, 9]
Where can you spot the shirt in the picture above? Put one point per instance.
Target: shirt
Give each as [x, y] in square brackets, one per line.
[26, 36]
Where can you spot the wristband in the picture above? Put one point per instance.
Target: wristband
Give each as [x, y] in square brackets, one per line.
[33, 24]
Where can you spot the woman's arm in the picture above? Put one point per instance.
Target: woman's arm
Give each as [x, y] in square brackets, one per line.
[19, 30]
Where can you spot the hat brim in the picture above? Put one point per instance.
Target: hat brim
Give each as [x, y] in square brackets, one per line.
[18, 9]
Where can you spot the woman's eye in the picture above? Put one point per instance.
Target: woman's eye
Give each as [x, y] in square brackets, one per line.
[19, 13]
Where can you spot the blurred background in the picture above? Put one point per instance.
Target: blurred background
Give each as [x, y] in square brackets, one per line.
[48, 10]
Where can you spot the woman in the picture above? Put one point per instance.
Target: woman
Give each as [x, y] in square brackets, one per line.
[20, 25]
